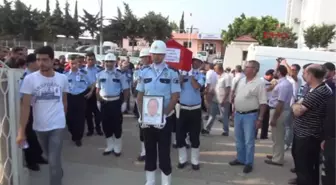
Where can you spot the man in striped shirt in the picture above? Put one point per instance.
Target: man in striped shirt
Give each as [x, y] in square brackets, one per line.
[309, 115]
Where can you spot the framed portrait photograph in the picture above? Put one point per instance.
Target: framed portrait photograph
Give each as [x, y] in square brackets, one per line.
[152, 110]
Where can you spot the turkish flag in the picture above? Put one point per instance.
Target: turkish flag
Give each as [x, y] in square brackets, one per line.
[177, 56]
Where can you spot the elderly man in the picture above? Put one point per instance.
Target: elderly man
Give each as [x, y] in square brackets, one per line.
[250, 101]
[279, 104]
[309, 116]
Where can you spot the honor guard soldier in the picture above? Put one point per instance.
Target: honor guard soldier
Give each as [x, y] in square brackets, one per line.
[190, 118]
[80, 89]
[33, 154]
[110, 83]
[92, 70]
[145, 62]
[159, 80]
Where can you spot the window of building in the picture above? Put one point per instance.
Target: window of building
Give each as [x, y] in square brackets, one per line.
[185, 44]
[132, 43]
[244, 55]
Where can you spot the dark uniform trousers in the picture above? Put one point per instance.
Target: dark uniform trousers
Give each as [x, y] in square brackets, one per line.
[75, 118]
[111, 118]
[329, 165]
[158, 141]
[306, 152]
[33, 154]
[265, 124]
[141, 134]
[92, 109]
[190, 121]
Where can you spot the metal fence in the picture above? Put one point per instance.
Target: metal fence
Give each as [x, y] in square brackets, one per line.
[12, 171]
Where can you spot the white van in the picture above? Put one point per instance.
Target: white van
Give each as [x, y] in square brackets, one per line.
[267, 56]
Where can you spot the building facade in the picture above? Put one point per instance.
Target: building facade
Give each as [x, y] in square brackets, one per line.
[195, 42]
[301, 14]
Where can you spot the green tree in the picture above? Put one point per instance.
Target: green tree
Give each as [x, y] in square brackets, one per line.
[91, 23]
[76, 30]
[174, 26]
[253, 26]
[6, 23]
[319, 36]
[182, 29]
[132, 26]
[155, 27]
[115, 31]
[55, 25]
[47, 7]
[67, 24]
[289, 42]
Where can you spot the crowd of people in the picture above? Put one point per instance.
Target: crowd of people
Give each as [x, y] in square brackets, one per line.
[69, 92]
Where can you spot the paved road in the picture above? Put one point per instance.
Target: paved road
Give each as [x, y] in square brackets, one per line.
[87, 166]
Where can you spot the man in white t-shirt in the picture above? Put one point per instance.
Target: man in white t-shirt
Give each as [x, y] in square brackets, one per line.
[46, 91]
[210, 83]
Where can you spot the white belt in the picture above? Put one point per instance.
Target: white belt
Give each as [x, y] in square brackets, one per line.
[190, 107]
[111, 98]
[171, 113]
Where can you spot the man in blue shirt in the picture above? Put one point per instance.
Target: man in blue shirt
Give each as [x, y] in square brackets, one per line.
[190, 118]
[159, 80]
[92, 69]
[33, 154]
[80, 89]
[110, 84]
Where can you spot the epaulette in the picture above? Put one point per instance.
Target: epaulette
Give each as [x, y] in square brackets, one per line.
[23, 75]
[119, 70]
[83, 71]
[100, 68]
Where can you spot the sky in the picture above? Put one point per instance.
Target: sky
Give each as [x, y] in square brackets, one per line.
[209, 16]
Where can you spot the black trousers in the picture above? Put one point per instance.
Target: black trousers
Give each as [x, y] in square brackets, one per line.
[111, 118]
[189, 122]
[75, 117]
[265, 124]
[174, 120]
[141, 134]
[33, 153]
[91, 110]
[307, 156]
[329, 165]
[136, 111]
[158, 143]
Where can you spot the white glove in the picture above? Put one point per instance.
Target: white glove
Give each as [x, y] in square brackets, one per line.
[184, 73]
[123, 107]
[142, 125]
[190, 73]
[162, 125]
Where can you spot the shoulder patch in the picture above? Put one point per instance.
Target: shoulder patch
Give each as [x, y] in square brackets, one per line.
[23, 75]
[119, 70]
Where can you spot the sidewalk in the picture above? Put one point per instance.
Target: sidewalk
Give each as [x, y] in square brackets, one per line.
[87, 166]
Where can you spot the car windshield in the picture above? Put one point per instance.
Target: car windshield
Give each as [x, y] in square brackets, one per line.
[202, 53]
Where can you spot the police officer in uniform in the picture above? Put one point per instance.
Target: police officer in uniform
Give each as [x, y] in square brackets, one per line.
[145, 61]
[33, 154]
[160, 80]
[92, 69]
[110, 83]
[190, 117]
[80, 89]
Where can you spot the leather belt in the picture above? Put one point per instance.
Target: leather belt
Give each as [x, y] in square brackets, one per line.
[247, 112]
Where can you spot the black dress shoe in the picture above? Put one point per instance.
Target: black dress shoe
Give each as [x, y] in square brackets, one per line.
[225, 134]
[205, 132]
[236, 163]
[90, 133]
[41, 160]
[269, 157]
[293, 170]
[117, 154]
[107, 152]
[34, 167]
[99, 132]
[141, 158]
[195, 167]
[269, 161]
[247, 169]
[181, 165]
[78, 143]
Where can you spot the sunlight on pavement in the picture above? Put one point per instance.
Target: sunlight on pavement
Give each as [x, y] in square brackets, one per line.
[251, 181]
[229, 153]
[233, 144]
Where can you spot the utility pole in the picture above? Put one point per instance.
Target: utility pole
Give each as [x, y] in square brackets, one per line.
[101, 29]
